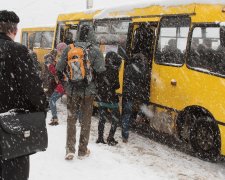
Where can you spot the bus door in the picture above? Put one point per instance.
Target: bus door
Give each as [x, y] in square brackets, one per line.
[112, 35]
[142, 38]
[169, 78]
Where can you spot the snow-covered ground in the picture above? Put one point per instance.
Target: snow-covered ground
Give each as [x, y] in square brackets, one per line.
[141, 158]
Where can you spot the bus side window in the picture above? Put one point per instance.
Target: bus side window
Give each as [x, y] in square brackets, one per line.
[47, 38]
[37, 40]
[25, 39]
[31, 41]
[172, 40]
[207, 52]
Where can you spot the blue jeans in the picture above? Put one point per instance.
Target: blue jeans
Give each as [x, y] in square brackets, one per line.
[52, 102]
[128, 116]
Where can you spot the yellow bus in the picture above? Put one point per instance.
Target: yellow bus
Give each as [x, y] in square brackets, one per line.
[185, 46]
[38, 39]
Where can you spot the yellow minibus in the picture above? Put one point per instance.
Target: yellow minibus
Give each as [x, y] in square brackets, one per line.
[38, 39]
[185, 46]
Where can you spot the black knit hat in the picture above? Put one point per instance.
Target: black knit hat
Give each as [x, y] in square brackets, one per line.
[9, 16]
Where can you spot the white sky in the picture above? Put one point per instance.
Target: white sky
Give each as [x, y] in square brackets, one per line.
[35, 13]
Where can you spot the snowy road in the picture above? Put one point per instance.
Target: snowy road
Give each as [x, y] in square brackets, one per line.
[140, 159]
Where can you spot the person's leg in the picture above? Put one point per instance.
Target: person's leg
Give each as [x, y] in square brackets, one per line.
[101, 124]
[72, 106]
[53, 99]
[115, 114]
[86, 110]
[126, 119]
[15, 169]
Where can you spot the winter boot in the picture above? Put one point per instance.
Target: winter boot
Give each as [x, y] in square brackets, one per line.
[54, 122]
[125, 140]
[69, 156]
[100, 140]
[82, 155]
[111, 141]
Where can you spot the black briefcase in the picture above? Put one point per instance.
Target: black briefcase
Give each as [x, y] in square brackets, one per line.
[22, 134]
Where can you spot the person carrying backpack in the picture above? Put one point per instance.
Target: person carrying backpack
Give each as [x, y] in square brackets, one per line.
[82, 60]
[108, 83]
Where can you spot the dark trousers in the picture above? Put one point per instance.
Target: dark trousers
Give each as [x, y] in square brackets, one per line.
[112, 115]
[15, 169]
[130, 109]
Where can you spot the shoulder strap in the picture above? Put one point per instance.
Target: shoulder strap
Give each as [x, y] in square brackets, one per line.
[72, 46]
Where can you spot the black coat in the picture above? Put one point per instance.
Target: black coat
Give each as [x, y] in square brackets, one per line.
[136, 86]
[108, 83]
[20, 85]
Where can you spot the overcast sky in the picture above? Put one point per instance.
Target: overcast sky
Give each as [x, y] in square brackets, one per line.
[44, 12]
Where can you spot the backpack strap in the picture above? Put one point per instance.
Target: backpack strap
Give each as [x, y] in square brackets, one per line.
[69, 52]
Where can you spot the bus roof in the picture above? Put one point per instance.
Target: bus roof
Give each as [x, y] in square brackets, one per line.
[31, 29]
[162, 7]
[212, 9]
[77, 16]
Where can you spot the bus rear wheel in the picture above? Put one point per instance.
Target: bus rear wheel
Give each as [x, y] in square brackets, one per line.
[205, 138]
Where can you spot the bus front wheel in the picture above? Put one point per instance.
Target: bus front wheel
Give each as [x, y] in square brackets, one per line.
[204, 137]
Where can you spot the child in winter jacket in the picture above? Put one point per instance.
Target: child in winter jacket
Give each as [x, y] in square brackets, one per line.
[108, 82]
[58, 92]
[58, 89]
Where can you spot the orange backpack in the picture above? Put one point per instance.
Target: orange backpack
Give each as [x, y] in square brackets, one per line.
[79, 67]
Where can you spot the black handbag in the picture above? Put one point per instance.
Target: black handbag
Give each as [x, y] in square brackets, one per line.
[22, 133]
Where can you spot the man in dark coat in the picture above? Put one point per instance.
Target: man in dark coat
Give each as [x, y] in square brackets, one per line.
[136, 89]
[108, 83]
[20, 87]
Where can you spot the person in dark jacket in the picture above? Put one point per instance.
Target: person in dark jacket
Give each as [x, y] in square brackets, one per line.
[35, 60]
[20, 87]
[136, 90]
[108, 83]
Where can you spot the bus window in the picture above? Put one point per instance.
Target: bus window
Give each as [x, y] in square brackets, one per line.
[25, 38]
[207, 52]
[47, 38]
[31, 41]
[37, 40]
[172, 40]
[59, 33]
[111, 35]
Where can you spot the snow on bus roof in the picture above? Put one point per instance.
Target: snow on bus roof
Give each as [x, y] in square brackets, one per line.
[146, 3]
